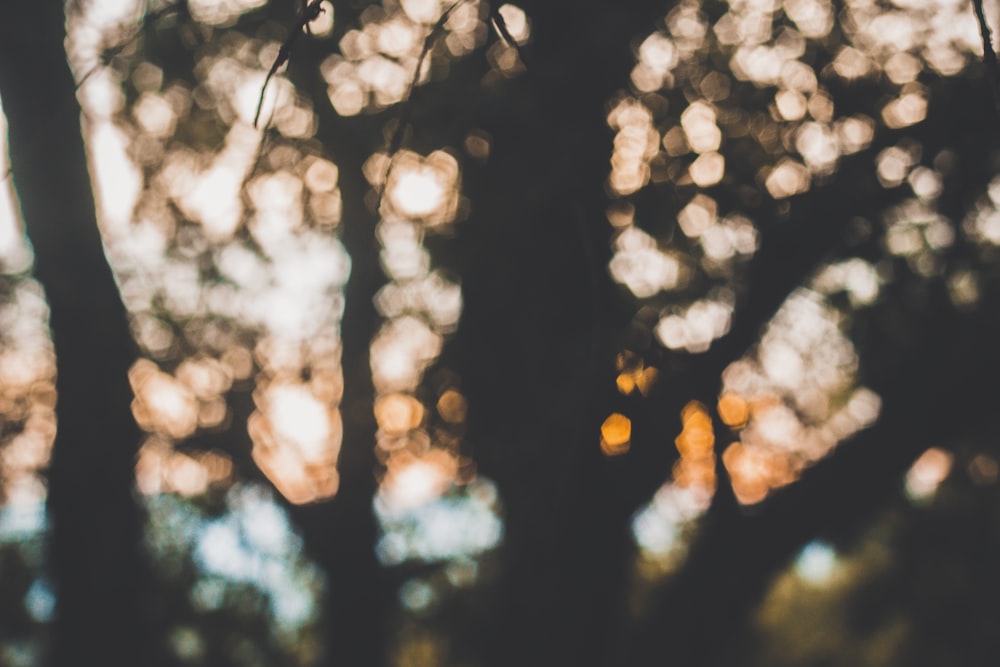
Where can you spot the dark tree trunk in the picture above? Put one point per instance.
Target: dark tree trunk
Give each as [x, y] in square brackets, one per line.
[342, 533]
[539, 336]
[94, 550]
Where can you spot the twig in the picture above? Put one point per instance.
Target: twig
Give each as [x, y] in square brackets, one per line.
[396, 142]
[308, 14]
[989, 55]
[261, 151]
[108, 54]
[501, 27]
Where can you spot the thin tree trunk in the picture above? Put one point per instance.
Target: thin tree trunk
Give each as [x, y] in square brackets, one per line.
[342, 533]
[94, 519]
[538, 336]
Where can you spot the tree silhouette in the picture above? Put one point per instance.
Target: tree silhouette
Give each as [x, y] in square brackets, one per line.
[802, 222]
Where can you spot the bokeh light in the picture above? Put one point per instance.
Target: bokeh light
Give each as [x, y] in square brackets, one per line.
[27, 432]
[224, 242]
[926, 474]
[377, 60]
[795, 398]
[224, 559]
[616, 434]
[225, 249]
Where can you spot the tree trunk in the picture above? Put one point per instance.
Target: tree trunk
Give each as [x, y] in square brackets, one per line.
[94, 550]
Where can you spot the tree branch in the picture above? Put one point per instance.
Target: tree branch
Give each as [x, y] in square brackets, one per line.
[989, 55]
[95, 546]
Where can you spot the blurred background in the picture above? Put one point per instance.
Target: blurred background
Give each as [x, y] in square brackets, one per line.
[427, 333]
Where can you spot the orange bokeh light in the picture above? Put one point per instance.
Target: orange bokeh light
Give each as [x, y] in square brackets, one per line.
[412, 480]
[634, 374]
[733, 410]
[452, 407]
[161, 469]
[616, 434]
[755, 471]
[296, 441]
[398, 413]
[696, 444]
[697, 437]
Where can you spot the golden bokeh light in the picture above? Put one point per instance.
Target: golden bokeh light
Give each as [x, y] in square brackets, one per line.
[902, 68]
[817, 144]
[298, 419]
[908, 109]
[375, 63]
[417, 452]
[635, 375]
[695, 328]
[708, 169]
[412, 480]
[699, 124]
[616, 434]
[636, 142]
[516, 21]
[697, 436]
[396, 414]
[850, 64]
[322, 25]
[854, 133]
[732, 236]
[855, 277]
[786, 179]
[641, 266]
[296, 441]
[417, 193]
[696, 443]
[205, 376]
[796, 398]
[423, 189]
[791, 104]
[452, 406]
[422, 11]
[699, 214]
[734, 411]
[212, 12]
[688, 27]
[754, 472]
[320, 175]
[894, 163]
[161, 469]
[162, 403]
[916, 232]
[401, 351]
[155, 115]
[27, 360]
[656, 58]
[625, 383]
[926, 474]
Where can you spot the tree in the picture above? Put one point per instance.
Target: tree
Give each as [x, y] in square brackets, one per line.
[780, 177]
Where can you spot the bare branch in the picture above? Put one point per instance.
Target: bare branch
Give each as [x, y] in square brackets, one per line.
[501, 27]
[146, 19]
[989, 55]
[396, 142]
[305, 17]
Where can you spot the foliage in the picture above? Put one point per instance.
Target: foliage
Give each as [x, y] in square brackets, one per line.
[564, 334]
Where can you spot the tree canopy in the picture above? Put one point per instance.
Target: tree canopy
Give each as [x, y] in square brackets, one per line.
[416, 332]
